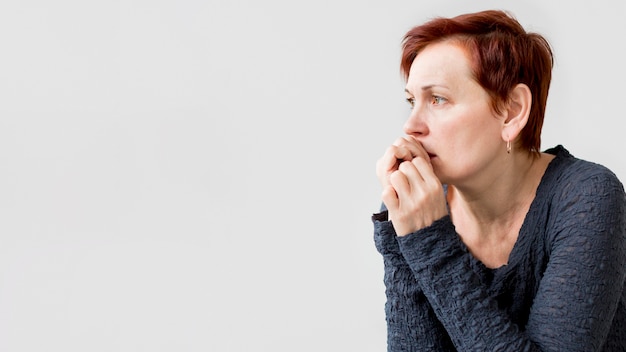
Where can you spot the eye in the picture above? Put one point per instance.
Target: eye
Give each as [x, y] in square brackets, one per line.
[437, 100]
[411, 102]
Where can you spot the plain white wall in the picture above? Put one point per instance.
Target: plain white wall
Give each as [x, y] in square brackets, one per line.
[187, 175]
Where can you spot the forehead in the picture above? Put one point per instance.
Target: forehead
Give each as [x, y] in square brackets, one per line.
[440, 63]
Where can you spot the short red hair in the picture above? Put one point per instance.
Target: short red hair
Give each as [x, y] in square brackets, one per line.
[502, 55]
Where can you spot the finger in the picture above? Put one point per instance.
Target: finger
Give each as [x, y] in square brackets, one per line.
[425, 169]
[385, 165]
[390, 161]
[415, 184]
[411, 172]
[400, 184]
[408, 145]
[418, 148]
[390, 198]
[432, 190]
[413, 146]
[402, 151]
[430, 182]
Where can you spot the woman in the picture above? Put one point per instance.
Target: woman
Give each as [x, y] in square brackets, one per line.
[488, 243]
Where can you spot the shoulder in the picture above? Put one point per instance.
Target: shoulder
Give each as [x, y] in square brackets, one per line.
[584, 207]
[582, 197]
[568, 176]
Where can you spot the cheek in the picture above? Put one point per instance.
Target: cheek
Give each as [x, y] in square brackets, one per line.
[466, 127]
[477, 129]
[462, 148]
[459, 140]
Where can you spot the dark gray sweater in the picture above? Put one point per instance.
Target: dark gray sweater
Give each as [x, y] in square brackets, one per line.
[562, 289]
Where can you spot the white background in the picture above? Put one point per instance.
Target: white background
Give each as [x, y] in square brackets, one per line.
[186, 175]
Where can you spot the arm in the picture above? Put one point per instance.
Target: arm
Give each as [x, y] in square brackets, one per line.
[585, 277]
[411, 322]
[577, 296]
[462, 303]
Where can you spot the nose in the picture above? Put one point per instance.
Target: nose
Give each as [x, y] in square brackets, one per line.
[416, 125]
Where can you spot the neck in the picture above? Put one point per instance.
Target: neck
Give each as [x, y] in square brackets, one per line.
[499, 198]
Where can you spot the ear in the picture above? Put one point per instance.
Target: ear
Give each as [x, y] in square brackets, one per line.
[516, 112]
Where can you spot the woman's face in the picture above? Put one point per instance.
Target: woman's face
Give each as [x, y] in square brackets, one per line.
[451, 115]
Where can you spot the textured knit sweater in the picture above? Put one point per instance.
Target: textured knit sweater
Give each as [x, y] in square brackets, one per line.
[562, 289]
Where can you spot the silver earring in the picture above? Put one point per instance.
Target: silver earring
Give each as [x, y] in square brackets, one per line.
[508, 146]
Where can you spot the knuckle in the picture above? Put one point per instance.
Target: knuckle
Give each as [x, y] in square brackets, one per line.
[399, 141]
[406, 166]
[418, 160]
[394, 176]
[388, 193]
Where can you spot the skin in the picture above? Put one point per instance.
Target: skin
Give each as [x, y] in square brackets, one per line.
[454, 137]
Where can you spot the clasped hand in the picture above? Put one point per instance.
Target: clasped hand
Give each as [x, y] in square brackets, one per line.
[412, 192]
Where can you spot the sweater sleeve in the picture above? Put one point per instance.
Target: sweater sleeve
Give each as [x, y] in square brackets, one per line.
[411, 322]
[578, 293]
[473, 320]
[584, 279]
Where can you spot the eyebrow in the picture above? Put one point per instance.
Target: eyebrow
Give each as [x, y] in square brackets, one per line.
[427, 87]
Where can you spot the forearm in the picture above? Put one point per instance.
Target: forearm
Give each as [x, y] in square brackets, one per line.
[411, 321]
[461, 302]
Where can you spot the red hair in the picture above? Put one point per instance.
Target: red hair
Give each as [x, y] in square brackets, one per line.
[502, 54]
